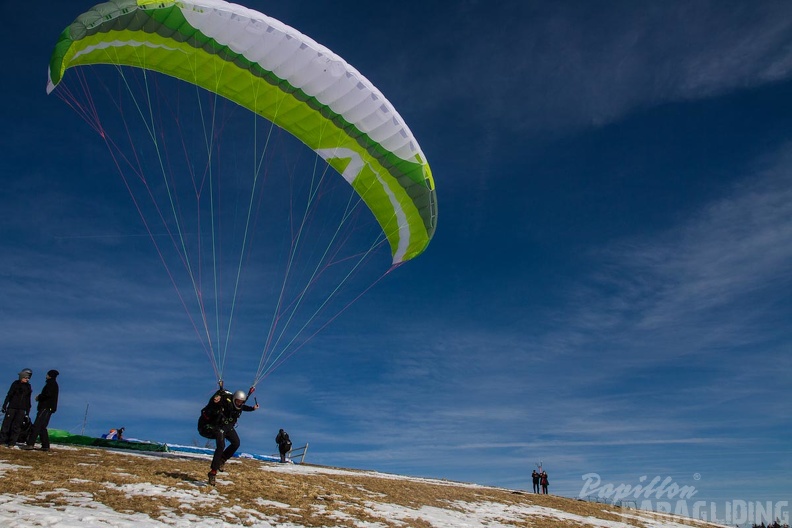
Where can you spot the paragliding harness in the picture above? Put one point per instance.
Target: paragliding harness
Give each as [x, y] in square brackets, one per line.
[206, 427]
[212, 416]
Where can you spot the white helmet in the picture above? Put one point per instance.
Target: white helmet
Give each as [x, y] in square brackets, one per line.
[239, 395]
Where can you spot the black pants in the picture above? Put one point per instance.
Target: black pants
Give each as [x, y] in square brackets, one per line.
[39, 429]
[223, 453]
[12, 425]
[536, 487]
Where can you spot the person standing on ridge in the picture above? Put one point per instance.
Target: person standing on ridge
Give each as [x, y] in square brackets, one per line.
[16, 407]
[218, 420]
[545, 482]
[47, 405]
[284, 444]
[535, 481]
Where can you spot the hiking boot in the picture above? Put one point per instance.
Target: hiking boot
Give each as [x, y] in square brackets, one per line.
[212, 477]
[28, 447]
[45, 448]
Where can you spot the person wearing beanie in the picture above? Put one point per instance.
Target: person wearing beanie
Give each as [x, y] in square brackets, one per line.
[16, 407]
[47, 405]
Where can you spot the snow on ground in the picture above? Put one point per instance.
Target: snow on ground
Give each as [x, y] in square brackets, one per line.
[307, 470]
[489, 514]
[81, 512]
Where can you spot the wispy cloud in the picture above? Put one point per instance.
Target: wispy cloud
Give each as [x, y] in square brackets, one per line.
[550, 67]
[715, 278]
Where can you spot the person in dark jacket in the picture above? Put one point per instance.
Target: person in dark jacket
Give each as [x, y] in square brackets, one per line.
[16, 408]
[544, 482]
[218, 420]
[535, 480]
[47, 405]
[284, 444]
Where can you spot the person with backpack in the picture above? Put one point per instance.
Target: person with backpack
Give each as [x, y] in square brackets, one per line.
[47, 405]
[218, 421]
[16, 408]
[284, 444]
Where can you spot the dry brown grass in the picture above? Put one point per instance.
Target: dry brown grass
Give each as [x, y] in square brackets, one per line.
[248, 494]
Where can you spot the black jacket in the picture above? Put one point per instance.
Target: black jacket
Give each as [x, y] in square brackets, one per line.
[18, 396]
[48, 399]
[224, 412]
[282, 438]
[283, 441]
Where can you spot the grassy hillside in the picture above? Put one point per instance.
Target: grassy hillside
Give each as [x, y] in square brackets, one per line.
[172, 490]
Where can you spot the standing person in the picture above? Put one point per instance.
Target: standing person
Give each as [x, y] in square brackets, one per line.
[284, 444]
[47, 405]
[16, 407]
[218, 420]
[535, 480]
[545, 482]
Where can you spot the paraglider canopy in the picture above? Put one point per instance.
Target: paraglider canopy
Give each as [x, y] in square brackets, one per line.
[269, 72]
[279, 73]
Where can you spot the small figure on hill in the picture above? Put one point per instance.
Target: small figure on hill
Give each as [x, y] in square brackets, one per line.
[544, 482]
[47, 405]
[284, 444]
[218, 420]
[16, 408]
[535, 481]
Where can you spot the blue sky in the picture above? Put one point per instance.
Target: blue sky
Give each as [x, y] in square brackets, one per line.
[608, 289]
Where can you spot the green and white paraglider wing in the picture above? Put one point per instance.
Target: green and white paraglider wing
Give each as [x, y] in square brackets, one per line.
[282, 75]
